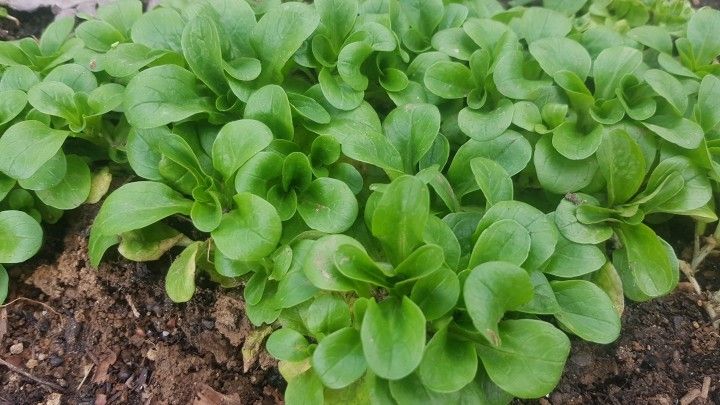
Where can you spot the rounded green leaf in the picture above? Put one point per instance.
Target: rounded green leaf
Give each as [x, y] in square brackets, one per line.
[437, 293]
[449, 80]
[586, 311]
[12, 103]
[557, 54]
[505, 240]
[490, 290]
[558, 174]
[338, 359]
[574, 260]
[49, 175]
[327, 314]
[180, 278]
[575, 231]
[338, 93]
[4, 281]
[20, 236]
[250, 232]
[543, 234]
[328, 205]
[393, 337]
[202, 49]
[449, 363]
[622, 164]
[412, 129]
[26, 146]
[678, 130]
[492, 179]
[72, 190]
[651, 268]
[288, 345]
[510, 81]
[319, 266]
[237, 142]
[484, 126]
[270, 105]
[611, 65]
[575, 144]
[517, 366]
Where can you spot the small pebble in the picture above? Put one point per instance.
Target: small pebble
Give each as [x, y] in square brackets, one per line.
[123, 375]
[17, 348]
[165, 333]
[208, 324]
[31, 364]
[696, 325]
[56, 361]
[61, 382]
[41, 356]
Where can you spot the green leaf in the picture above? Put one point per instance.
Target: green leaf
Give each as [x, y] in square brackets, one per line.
[4, 281]
[610, 66]
[655, 37]
[159, 28]
[669, 88]
[702, 32]
[350, 60]
[608, 279]
[20, 236]
[449, 363]
[121, 14]
[573, 259]
[98, 35]
[288, 345]
[695, 193]
[558, 54]
[305, 389]
[511, 150]
[449, 80]
[270, 105]
[400, 216]
[560, 175]
[411, 390]
[237, 142]
[149, 243]
[454, 42]
[542, 233]
[574, 143]
[12, 103]
[55, 98]
[73, 189]
[137, 205]
[538, 23]
[161, 95]
[485, 126]
[412, 129]
[648, 263]
[437, 293]
[327, 314]
[505, 240]
[55, 35]
[18, 78]
[202, 50]
[338, 93]
[393, 337]
[680, 131]
[337, 18]
[490, 290]
[575, 231]
[510, 80]
[49, 175]
[354, 263]
[328, 205]
[279, 34]
[26, 146]
[705, 112]
[494, 182]
[254, 222]
[517, 366]
[180, 278]
[319, 267]
[308, 108]
[543, 301]
[622, 164]
[586, 311]
[423, 261]
[338, 359]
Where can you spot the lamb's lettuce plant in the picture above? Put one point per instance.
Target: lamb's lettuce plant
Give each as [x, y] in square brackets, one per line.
[424, 198]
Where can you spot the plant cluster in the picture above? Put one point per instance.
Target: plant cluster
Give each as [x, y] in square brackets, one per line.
[425, 197]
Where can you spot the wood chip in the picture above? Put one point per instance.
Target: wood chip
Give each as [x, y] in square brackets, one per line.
[690, 397]
[206, 395]
[101, 373]
[3, 323]
[705, 388]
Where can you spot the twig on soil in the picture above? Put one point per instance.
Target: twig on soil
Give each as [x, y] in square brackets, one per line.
[701, 253]
[690, 274]
[690, 397]
[134, 310]
[48, 307]
[705, 388]
[27, 375]
[88, 368]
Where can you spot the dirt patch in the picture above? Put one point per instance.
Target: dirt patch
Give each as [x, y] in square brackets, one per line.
[28, 24]
[112, 336]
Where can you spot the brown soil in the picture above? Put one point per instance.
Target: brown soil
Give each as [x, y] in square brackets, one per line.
[30, 24]
[111, 336]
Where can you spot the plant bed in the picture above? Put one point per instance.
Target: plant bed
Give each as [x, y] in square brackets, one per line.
[120, 338]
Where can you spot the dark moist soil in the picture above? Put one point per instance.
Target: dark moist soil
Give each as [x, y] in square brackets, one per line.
[111, 336]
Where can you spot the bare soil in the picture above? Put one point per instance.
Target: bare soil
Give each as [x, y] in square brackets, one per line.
[112, 336]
